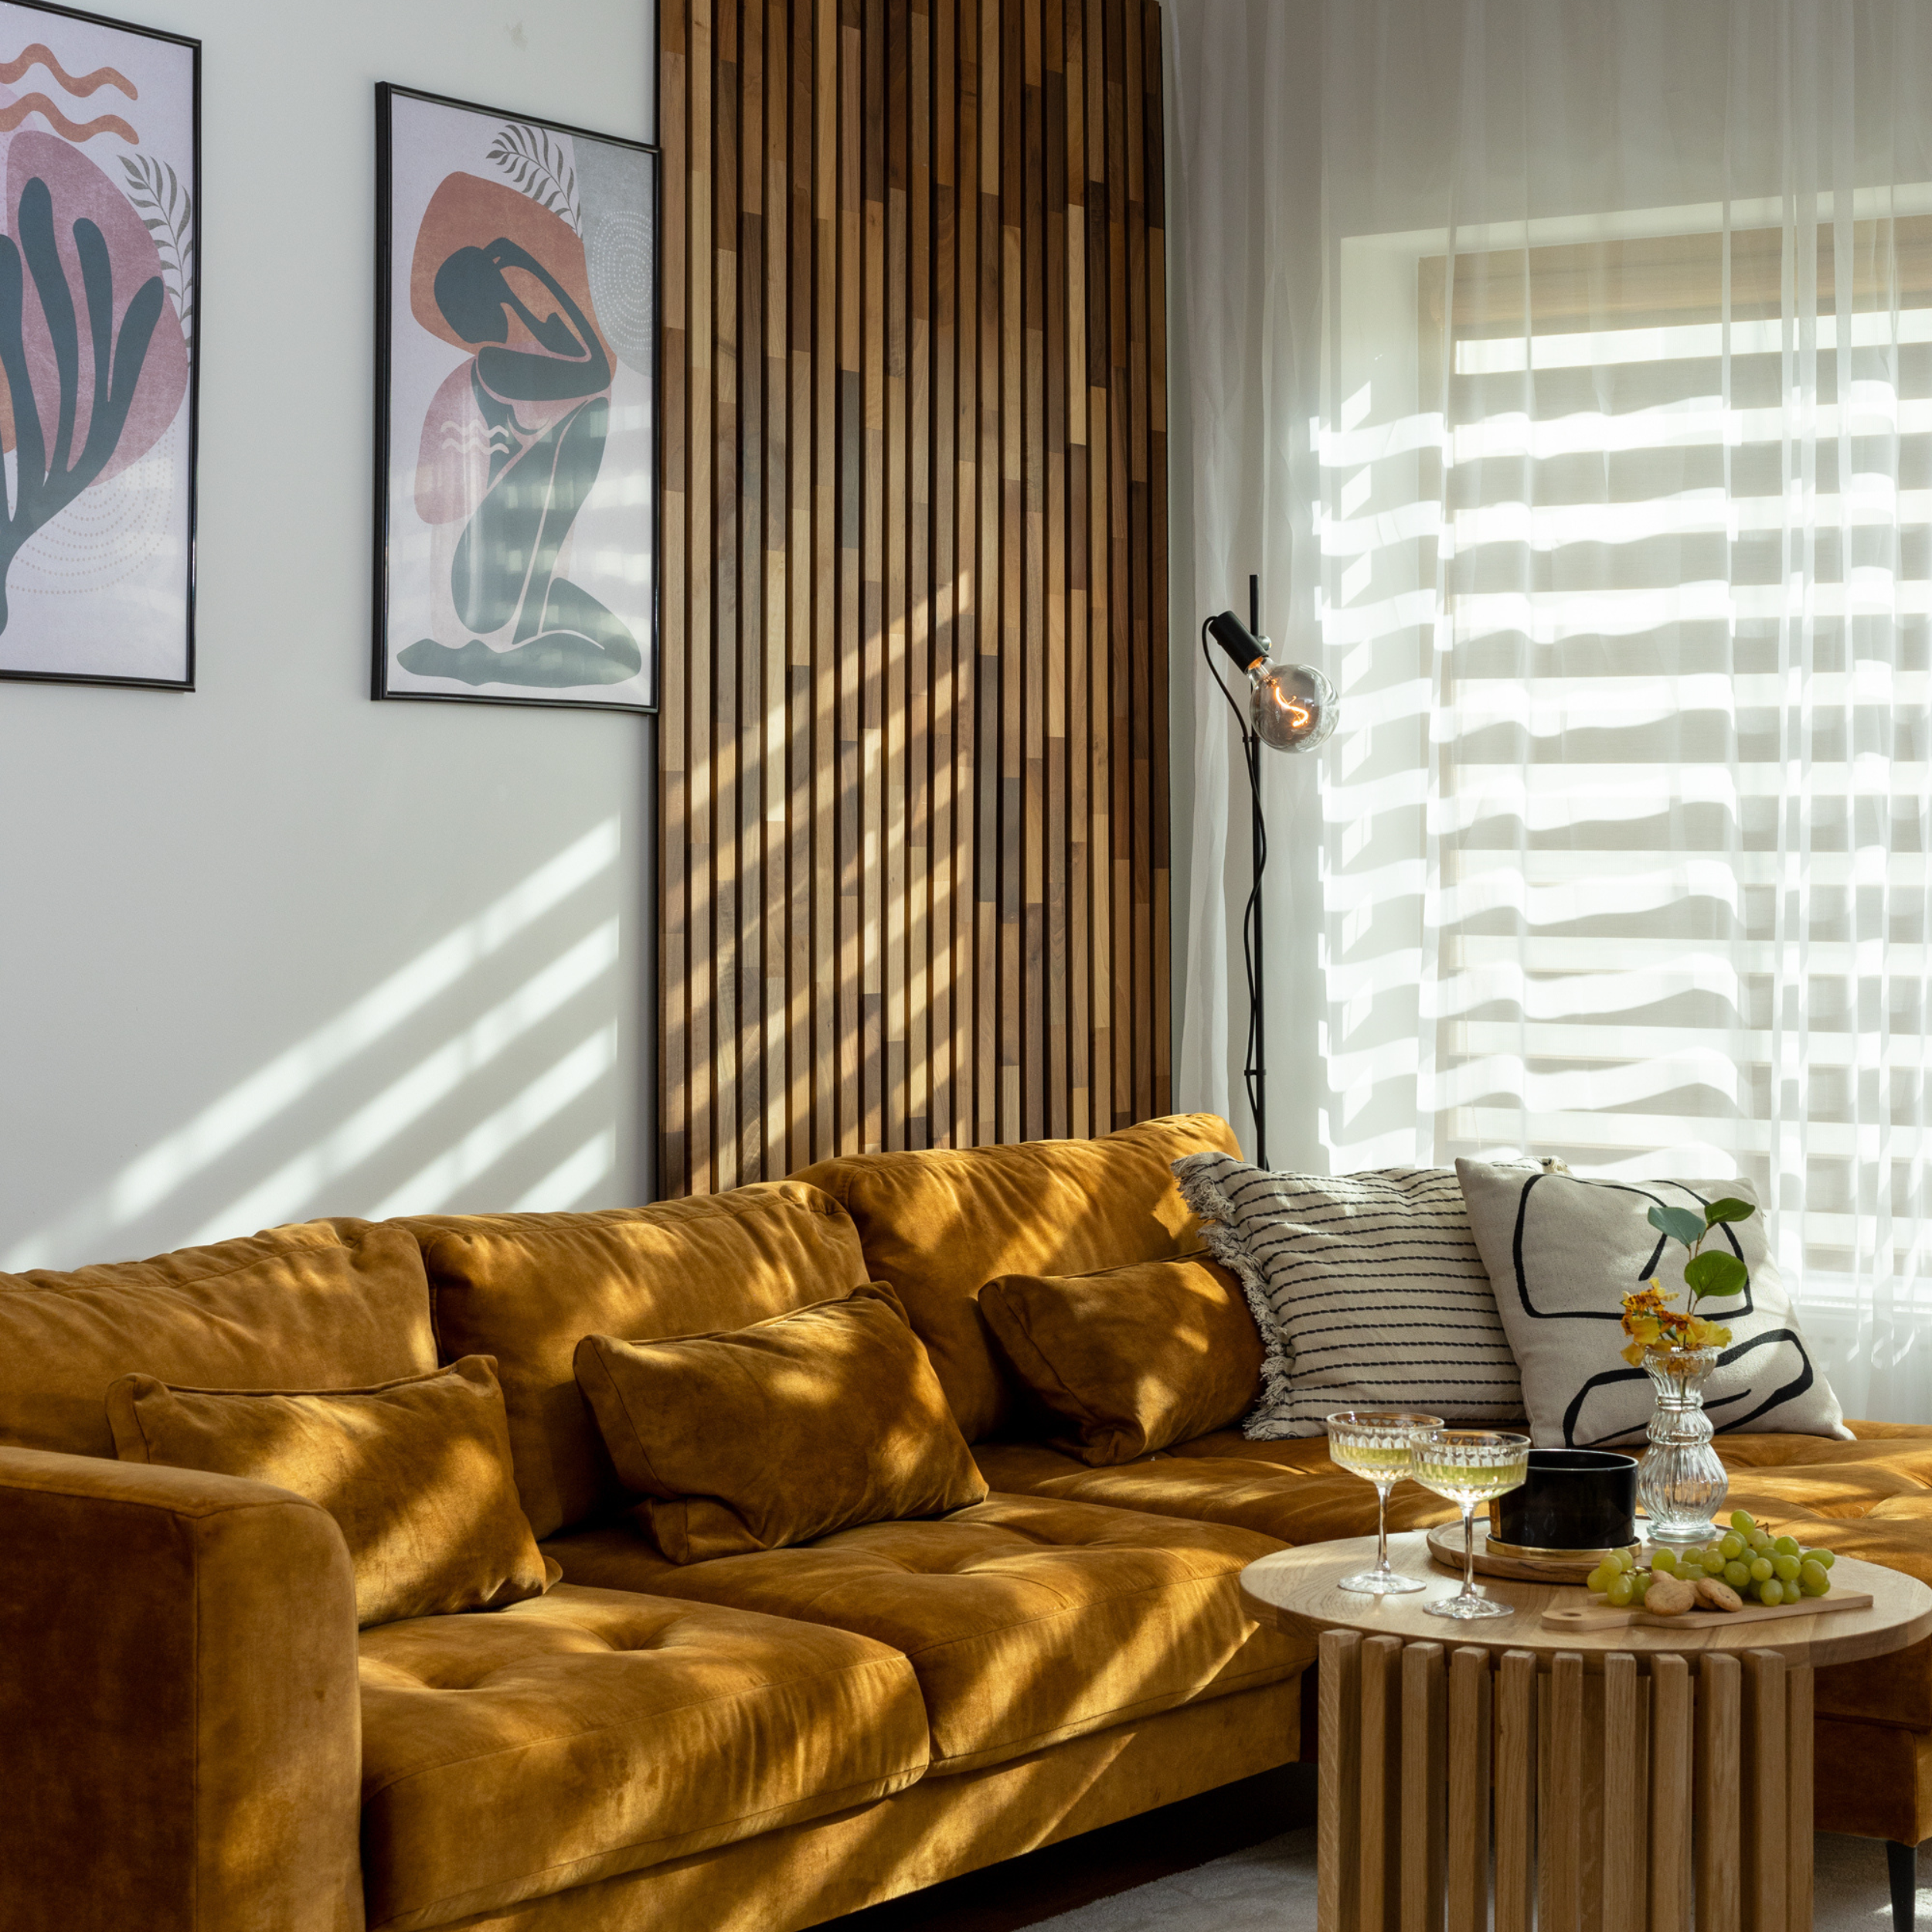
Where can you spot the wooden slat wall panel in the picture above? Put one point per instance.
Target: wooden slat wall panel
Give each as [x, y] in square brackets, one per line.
[914, 873]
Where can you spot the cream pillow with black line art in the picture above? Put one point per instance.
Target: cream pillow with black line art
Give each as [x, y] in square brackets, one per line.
[1562, 1250]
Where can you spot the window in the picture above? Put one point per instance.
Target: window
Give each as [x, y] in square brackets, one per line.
[1628, 550]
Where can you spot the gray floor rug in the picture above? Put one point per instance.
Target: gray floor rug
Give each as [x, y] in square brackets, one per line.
[1270, 1888]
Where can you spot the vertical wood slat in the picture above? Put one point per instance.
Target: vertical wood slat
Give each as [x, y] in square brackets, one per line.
[1119, 609]
[848, 468]
[1006, 189]
[895, 721]
[751, 651]
[1559, 1806]
[673, 88]
[728, 108]
[695, 860]
[1469, 1771]
[873, 776]
[1338, 1787]
[1515, 1789]
[920, 602]
[1719, 1701]
[1621, 1894]
[1380, 1885]
[912, 785]
[1156, 1037]
[1424, 1786]
[1799, 1703]
[967, 594]
[1765, 1857]
[818, 328]
[1671, 1709]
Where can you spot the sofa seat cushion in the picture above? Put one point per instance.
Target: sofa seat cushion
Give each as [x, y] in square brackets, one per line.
[509, 1755]
[1285, 1489]
[1027, 1619]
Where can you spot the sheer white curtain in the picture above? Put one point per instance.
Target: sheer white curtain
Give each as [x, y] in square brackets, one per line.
[1566, 366]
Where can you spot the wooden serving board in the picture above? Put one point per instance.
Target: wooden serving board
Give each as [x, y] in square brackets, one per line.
[1445, 1547]
[1598, 1615]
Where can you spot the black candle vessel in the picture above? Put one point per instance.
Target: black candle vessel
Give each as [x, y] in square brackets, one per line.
[1573, 1502]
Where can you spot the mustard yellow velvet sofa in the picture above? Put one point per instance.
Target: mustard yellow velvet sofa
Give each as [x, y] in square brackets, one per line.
[196, 1736]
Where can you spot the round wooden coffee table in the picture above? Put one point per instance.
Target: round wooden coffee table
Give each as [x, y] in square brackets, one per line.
[1627, 1775]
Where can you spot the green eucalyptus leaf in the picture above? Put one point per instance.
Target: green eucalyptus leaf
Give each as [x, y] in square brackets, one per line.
[1729, 1209]
[1718, 1273]
[1679, 1223]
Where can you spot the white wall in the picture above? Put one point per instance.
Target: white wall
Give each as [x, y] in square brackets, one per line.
[269, 950]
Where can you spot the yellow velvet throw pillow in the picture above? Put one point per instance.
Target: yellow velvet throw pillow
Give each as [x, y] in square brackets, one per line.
[1136, 1357]
[818, 1421]
[416, 1472]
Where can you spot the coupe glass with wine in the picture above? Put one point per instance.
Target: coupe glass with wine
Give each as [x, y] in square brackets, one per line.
[1373, 1444]
[1468, 1466]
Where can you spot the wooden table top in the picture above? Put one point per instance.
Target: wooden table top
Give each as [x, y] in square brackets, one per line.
[1296, 1588]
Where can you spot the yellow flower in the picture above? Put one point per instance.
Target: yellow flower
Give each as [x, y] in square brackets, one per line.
[1650, 1322]
[1644, 1327]
[1648, 1299]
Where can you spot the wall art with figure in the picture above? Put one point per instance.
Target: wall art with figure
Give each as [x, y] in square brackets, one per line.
[516, 544]
[100, 257]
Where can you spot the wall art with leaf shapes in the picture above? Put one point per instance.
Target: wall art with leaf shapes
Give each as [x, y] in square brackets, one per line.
[99, 314]
[516, 412]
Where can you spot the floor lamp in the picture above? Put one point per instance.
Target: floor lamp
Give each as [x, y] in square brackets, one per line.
[1291, 707]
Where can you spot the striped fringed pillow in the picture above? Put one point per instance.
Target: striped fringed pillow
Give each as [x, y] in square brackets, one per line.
[1368, 1290]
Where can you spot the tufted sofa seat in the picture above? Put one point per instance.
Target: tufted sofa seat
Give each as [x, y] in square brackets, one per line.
[1026, 1621]
[1288, 1490]
[509, 1755]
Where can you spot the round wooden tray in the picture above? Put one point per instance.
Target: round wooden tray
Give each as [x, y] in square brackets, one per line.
[1445, 1547]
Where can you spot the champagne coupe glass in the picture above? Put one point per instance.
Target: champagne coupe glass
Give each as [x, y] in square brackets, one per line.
[1373, 1444]
[1469, 1466]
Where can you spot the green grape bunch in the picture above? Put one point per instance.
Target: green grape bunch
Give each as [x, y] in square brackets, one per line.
[1774, 1569]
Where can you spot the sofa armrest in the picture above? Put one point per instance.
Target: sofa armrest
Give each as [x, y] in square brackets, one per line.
[180, 1727]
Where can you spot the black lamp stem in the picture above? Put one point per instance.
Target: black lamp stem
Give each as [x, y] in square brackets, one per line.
[1258, 849]
[1258, 1012]
[1254, 1066]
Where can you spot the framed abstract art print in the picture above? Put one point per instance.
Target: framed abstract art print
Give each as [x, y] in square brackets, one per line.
[516, 409]
[99, 311]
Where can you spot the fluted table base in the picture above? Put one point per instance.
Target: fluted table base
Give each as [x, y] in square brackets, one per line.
[1656, 1792]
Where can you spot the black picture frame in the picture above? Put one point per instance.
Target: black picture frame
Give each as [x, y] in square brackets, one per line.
[191, 287]
[648, 679]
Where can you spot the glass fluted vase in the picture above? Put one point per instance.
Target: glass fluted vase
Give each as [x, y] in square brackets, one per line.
[1680, 1481]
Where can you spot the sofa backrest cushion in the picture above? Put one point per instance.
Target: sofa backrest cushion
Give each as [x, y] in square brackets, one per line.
[936, 1226]
[527, 1288]
[322, 1304]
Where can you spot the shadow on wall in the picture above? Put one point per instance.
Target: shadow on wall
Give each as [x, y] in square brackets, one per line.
[382, 1110]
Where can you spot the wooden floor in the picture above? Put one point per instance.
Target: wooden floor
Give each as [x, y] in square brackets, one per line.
[1026, 1891]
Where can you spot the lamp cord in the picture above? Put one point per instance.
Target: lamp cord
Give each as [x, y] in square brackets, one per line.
[1252, 1074]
